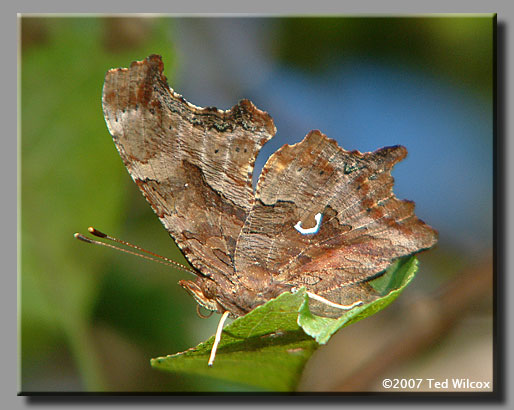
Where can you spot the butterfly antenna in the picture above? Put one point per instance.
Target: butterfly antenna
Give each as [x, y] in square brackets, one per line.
[154, 257]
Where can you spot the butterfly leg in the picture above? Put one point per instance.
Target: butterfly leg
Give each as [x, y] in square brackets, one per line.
[217, 338]
[332, 304]
[327, 302]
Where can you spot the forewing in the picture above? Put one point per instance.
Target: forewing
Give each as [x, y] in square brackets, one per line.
[194, 165]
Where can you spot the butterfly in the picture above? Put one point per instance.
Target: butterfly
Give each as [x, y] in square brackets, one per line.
[320, 217]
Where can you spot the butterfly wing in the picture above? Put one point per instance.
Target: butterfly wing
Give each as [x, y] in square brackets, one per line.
[194, 165]
[327, 219]
[321, 216]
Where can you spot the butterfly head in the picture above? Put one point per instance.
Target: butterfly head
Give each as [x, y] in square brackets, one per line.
[203, 291]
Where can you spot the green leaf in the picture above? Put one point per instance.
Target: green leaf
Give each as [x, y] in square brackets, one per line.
[389, 286]
[265, 348]
[268, 348]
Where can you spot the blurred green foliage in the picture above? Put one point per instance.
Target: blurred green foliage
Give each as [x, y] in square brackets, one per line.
[454, 47]
[71, 176]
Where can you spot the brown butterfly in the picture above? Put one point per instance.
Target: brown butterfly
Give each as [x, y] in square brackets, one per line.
[320, 217]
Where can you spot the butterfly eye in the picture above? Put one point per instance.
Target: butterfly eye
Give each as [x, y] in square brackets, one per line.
[310, 231]
[208, 289]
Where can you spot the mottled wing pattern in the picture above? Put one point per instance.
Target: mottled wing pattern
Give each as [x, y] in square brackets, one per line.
[321, 217]
[363, 226]
[194, 165]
